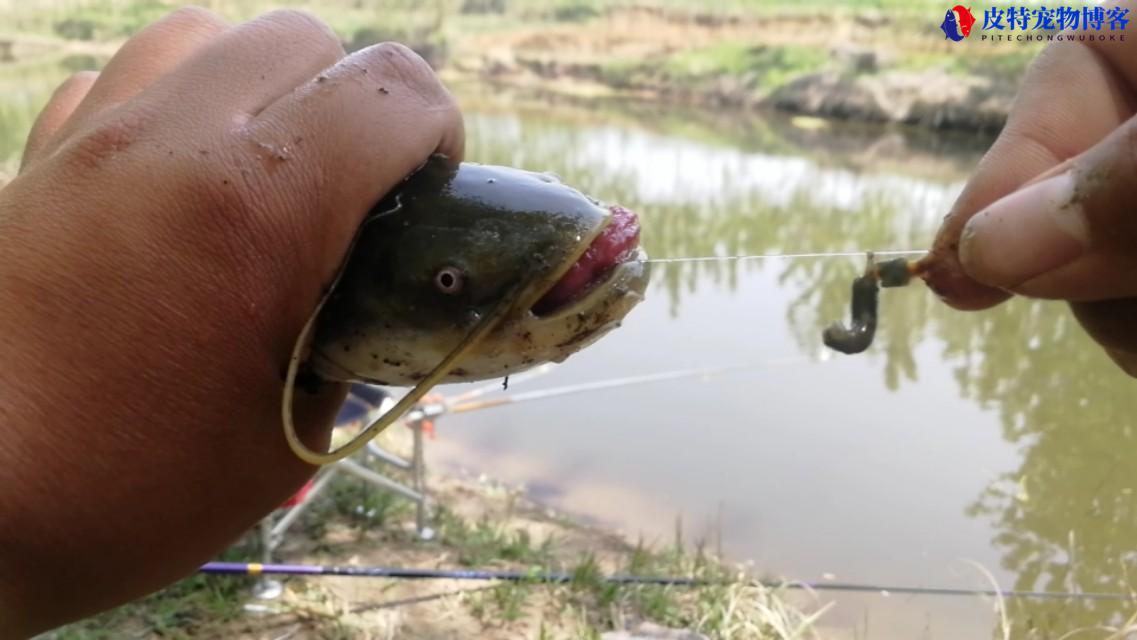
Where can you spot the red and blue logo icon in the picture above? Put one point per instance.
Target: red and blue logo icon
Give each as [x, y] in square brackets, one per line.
[957, 23]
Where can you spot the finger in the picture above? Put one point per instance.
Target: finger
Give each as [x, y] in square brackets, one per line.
[355, 131]
[151, 54]
[1110, 323]
[1052, 120]
[1118, 53]
[56, 113]
[1071, 236]
[1125, 360]
[255, 63]
[341, 142]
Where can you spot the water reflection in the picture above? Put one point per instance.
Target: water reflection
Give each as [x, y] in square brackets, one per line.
[1067, 517]
[697, 200]
[1064, 519]
[1061, 510]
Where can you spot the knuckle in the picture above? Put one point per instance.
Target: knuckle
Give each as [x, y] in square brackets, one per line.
[401, 58]
[105, 139]
[292, 17]
[1106, 176]
[191, 17]
[301, 24]
[1125, 360]
[1129, 147]
[185, 22]
[77, 80]
[405, 67]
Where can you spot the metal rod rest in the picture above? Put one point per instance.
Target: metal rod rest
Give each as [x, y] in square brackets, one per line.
[358, 470]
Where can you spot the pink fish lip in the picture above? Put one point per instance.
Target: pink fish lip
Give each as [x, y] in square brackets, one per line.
[615, 245]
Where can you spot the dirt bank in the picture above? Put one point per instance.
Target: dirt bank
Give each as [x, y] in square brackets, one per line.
[477, 523]
[814, 65]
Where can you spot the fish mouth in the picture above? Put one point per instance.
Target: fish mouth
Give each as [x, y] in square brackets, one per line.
[616, 245]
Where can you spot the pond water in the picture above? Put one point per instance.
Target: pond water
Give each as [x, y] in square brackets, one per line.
[1001, 438]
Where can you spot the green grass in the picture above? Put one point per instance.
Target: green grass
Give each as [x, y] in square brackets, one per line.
[487, 543]
[759, 67]
[733, 606]
[503, 604]
[898, 10]
[1006, 64]
[745, 7]
[730, 605]
[115, 19]
[769, 67]
[185, 609]
[356, 22]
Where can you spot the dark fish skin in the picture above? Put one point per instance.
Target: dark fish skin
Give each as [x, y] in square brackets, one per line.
[444, 250]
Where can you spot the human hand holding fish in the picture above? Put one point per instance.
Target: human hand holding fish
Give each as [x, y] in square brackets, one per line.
[175, 220]
[183, 217]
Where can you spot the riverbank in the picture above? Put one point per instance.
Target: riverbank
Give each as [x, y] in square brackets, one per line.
[888, 64]
[478, 523]
[867, 67]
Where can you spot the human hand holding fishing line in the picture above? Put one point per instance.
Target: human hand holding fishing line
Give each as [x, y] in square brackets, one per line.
[176, 218]
[1050, 210]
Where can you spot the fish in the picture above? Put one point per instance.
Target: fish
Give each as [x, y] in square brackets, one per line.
[456, 244]
[950, 27]
[965, 18]
[466, 272]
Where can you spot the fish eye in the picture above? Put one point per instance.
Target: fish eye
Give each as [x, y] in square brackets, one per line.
[449, 280]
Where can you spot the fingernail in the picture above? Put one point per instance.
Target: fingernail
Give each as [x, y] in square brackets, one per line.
[1025, 234]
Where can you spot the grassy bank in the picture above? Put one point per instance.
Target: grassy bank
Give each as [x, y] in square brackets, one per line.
[876, 63]
[883, 60]
[108, 19]
[479, 524]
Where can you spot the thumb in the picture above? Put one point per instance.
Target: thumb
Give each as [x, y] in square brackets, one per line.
[1071, 234]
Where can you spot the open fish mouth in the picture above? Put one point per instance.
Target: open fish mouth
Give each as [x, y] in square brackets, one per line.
[616, 245]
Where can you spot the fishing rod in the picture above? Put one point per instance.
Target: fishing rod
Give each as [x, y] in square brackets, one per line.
[863, 306]
[469, 402]
[613, 383]
[403, 573]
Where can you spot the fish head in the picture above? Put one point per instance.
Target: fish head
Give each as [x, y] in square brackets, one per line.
[456, 245]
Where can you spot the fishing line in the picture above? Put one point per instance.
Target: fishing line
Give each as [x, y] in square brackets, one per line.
[401, 573]
[863, 308]
[790, 256]
[462, 405]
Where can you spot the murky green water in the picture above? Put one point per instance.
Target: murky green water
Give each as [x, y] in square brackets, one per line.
[1001, 437]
